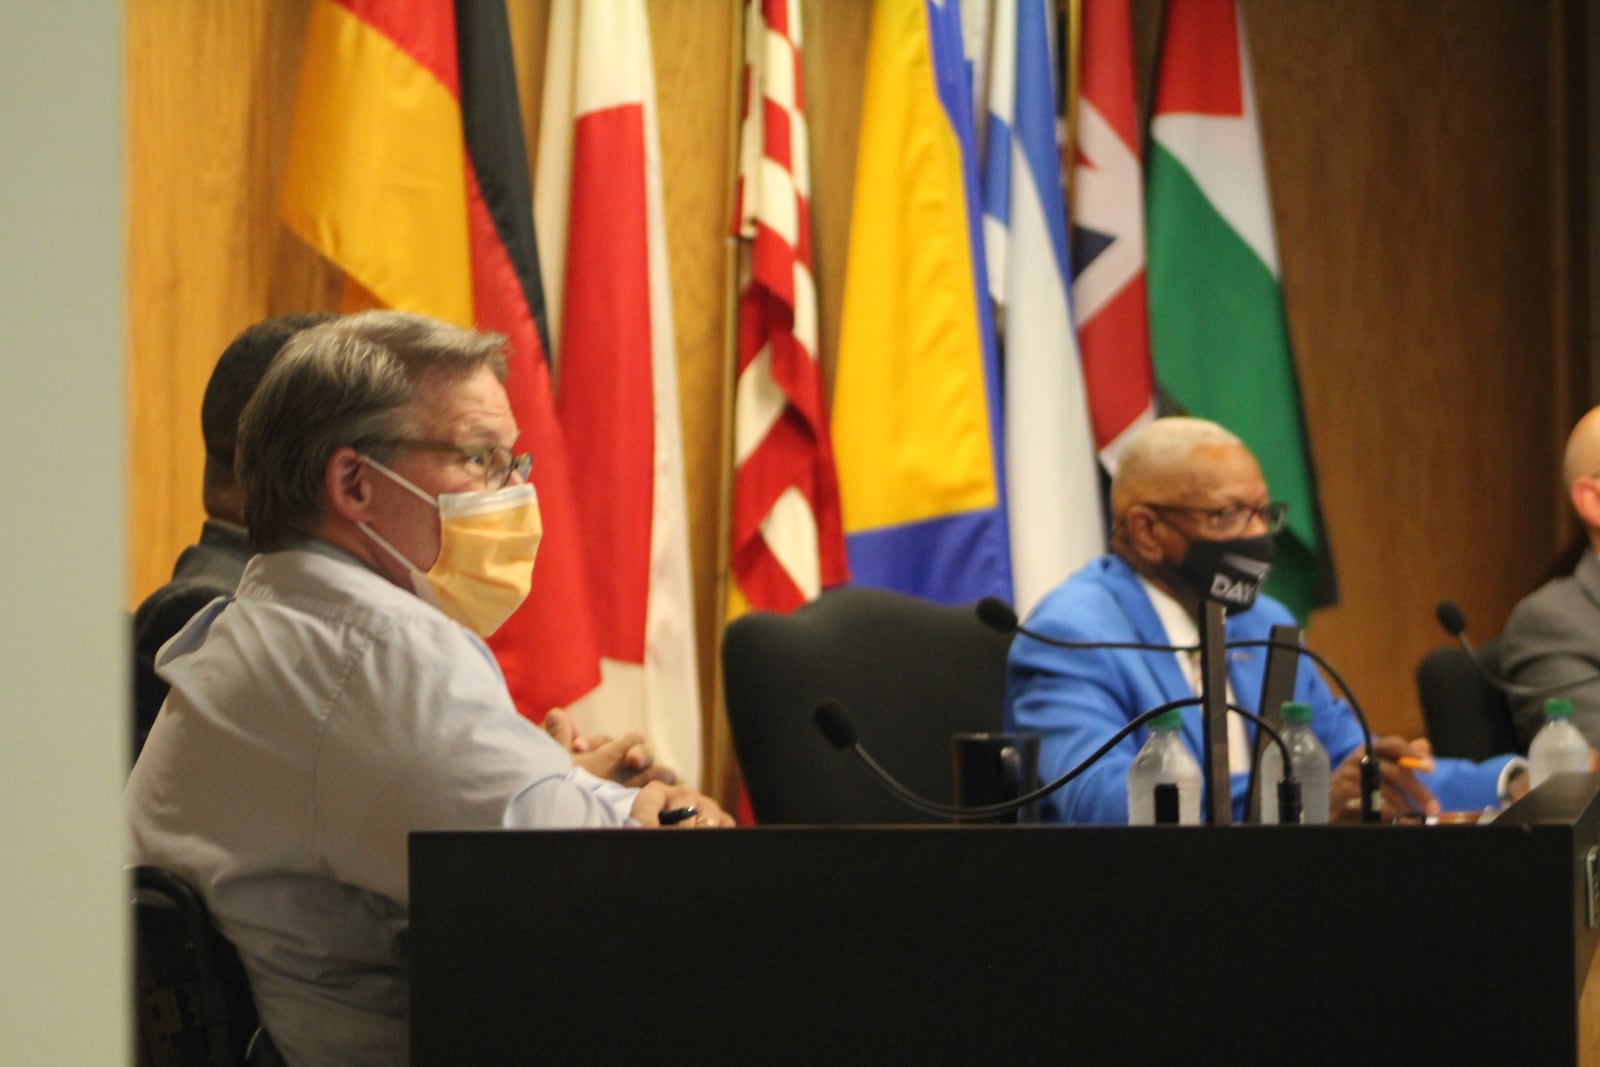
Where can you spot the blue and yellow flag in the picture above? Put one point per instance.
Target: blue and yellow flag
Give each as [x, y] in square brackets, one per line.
[917, 391]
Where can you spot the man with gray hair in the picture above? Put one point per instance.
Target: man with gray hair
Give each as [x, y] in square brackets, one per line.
[1191, 519]
[344, 696]
[1553, 635]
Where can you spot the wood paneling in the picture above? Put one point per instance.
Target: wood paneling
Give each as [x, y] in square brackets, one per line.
[209, 92]
[835, 71]
[1417, 186]
[1429, 209]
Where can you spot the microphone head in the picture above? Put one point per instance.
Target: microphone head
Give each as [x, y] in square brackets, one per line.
[835, 724]
[997, 615]
[1451, 618]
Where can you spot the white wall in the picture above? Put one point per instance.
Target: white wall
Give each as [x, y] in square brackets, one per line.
[63, 656]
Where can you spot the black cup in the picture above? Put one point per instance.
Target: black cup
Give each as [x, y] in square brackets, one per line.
[992, 768]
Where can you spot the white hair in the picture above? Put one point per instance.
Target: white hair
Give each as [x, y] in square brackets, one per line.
[1163, 445]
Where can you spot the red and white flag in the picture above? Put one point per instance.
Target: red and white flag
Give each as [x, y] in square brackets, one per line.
[1108, 240]
[603, 242]
[788, 543]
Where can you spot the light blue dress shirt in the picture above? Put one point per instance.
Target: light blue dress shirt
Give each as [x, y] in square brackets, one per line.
[315, 720]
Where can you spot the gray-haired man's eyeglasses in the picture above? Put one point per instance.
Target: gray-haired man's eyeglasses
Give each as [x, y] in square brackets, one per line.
[496, 463]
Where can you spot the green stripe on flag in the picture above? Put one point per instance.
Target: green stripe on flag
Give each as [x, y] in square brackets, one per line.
[1220, 345]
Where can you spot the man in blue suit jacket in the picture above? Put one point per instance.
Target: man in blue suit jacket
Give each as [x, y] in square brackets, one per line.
[1191, 516]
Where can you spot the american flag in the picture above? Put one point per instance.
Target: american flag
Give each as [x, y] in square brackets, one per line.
[787, 541]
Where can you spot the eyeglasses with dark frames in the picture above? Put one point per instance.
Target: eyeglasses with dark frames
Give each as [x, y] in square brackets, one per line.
[496, 463]
[1232, 519]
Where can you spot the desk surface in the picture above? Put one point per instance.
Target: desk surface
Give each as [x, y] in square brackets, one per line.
[1028, 944]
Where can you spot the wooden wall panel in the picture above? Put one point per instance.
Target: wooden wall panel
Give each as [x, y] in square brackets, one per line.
[190, 133]
[1417, 184]
[835, 71]
[210, 87]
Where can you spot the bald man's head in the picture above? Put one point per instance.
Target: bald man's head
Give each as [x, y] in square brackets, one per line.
[1580, 471]
[1582, 458]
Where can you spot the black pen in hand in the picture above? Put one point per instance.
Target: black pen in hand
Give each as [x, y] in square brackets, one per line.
[673, 816]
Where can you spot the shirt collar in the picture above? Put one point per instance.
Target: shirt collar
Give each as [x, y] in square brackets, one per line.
[1180, 628]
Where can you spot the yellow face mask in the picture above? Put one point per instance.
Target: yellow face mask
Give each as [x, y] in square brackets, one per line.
[488, 542]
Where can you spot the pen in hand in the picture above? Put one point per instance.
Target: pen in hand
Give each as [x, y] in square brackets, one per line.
[673, 816]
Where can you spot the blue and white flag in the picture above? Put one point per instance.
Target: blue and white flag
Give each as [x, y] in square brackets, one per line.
[1051, 473]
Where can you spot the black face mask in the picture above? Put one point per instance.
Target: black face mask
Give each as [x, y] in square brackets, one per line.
[1231, 571]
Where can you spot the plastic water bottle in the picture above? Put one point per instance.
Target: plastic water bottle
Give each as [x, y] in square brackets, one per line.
[1558, 747]
[1309, 761]
[1164, 758]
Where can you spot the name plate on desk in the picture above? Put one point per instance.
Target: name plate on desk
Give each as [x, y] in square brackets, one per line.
[1031, 944]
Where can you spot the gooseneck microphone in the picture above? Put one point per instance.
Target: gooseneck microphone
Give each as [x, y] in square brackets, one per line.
[998, 615]
[995, 614]
[1454, 622]
[1370, 771]
[836, 726]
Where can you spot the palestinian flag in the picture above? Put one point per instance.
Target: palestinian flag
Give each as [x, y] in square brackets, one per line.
[1218, 334]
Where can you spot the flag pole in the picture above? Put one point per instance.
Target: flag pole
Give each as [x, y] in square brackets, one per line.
[1148, 103]
[722, 772]
[1071, 67]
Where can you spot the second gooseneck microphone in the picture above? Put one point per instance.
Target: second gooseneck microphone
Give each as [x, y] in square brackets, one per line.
[1454, 621]
[836, 726]
[998, 615]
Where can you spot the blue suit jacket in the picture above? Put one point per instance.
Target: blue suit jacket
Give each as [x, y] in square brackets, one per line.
[1076, 699]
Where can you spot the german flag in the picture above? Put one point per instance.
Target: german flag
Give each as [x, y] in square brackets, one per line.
[407, 169]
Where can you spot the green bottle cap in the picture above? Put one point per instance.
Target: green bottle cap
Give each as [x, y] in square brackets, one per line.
[1296, 712]
[1558, 708]
[1171, 719]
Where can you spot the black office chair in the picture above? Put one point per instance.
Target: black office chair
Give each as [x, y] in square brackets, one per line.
[191, 997]
[909, 672]
[1466, 716]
